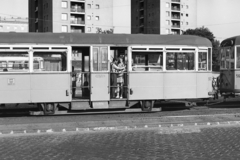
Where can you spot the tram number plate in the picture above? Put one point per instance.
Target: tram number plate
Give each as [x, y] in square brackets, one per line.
[11, 81]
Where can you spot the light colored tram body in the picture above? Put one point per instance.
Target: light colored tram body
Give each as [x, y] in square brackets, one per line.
[147, 81]
[230, 66]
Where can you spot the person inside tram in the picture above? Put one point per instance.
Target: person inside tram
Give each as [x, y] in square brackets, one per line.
[120, 79]
[74, 85]
[86, 91]
[5, 70]
[170, 66]
[114, 71]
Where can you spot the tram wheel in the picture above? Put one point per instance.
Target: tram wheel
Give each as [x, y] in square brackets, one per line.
[49, 108]
[147, 105]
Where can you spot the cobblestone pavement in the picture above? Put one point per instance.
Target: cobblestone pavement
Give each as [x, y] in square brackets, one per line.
[161, 143]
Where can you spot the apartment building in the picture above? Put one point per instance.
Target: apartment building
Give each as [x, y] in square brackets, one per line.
[163, 16]
[80, 16]
[10, 24]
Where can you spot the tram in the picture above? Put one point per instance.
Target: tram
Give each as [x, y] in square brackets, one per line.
[229, 83]
[75, 70]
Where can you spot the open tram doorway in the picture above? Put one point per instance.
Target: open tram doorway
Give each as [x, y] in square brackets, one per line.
[118, 76]
[80, 73]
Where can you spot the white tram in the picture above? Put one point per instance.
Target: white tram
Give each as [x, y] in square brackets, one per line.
[76, 70]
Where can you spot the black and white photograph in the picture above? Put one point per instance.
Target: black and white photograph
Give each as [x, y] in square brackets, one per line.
[119, 80]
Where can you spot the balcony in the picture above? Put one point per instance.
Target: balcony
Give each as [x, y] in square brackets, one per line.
[178, 1]
[78, 9]
[176, 8]
[175, 17]
[76, 31]
[77, 22]
[175, 26]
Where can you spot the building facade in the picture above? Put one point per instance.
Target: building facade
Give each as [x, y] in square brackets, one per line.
[80, 16]
[163, 16]
[13, 25]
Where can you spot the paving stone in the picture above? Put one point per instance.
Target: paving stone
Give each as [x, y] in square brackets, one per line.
[178, 143]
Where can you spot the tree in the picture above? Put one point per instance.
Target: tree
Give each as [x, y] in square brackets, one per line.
[100, 31]
[205, 32]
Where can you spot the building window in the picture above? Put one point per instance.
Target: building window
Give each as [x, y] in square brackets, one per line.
[97, 18]
[187, 6]
[182, 6]
[186, 15]
[167, 5]
[167, 31]
[64, 16]
[186, 23]
[64, 4]
[89, 6]
[89, 17]
[64, 29]
[167, 22]
[89, 29]
[167, 13]
[181, 14]
[97, 6]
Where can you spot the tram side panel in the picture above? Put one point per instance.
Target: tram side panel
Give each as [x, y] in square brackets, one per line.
[227, 80]
[180, 85]
[204, 84]
[50, 87]
[146, 86]
[15, 88]
[237, 81]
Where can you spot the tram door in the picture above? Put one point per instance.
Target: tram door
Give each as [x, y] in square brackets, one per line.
[100, 90]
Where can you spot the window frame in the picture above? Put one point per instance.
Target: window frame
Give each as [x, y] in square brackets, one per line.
[63, 6]
[64, 16]
[18, 51]
[235, 54]
[68, 60]
[62, 28]
[149, 49]
[180, 51]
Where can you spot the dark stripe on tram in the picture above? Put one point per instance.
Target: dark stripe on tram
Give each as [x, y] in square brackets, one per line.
[40, 47]
[24, 48]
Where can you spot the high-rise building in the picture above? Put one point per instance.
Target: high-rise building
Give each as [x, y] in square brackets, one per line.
[163, 16]
[82, 16]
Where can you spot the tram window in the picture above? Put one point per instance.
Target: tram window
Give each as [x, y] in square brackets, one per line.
[202, 61]
[227, 58]
[210, 59]
[238, 57]
[147, 61]
[179, 61]
[50, 61]
[14, 62]
[100, 59]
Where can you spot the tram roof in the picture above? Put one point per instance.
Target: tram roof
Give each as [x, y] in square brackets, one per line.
[115, 39]
[231, 41]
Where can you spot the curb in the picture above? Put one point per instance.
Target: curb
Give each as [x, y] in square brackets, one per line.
[92, 129]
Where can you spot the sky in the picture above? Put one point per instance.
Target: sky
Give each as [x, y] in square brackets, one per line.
[14, 8]
[220, 16]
